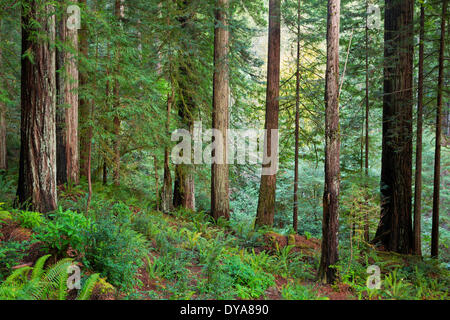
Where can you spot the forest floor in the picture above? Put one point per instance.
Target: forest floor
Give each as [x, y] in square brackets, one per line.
[146, 254]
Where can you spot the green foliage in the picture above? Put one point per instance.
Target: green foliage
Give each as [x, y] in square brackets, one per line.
[11, 253]
[248, 282]
[300, 292]
[29, 219]
[4, 215]
[66, 229]
[115, 250]
[43, 284]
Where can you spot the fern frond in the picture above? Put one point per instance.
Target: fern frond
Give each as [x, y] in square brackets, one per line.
[19, 273]
[62, 289]
[88, 287]
[50, 280]
[38, 269]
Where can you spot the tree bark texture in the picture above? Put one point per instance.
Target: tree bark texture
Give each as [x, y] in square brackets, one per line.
[37, 171]
[438, 140]
[220, 204]
[395, 228]
[418, 174]
[266, 201]
[330, 223]
[67, 155]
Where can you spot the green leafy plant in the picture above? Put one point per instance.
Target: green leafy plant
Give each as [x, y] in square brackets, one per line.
[11, 253]
[115, 250]
[29, 219]
[64, 229]
[41, 284]
[300, 292]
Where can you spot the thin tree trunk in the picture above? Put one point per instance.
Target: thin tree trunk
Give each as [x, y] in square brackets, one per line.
[366, 162]
[155, 162]
[394, 231]
[67, 105]
[3, 148]
[90, 135]
[119, 10]
[437, 154]
[297, 124]
[105, 172]
[37, 172]
[167, 204]
[418, 177]
[83, 103]
[330, 224]
[220, 203]
[266, 201]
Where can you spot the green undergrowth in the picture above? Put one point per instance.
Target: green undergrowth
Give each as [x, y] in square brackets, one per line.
[147, 254]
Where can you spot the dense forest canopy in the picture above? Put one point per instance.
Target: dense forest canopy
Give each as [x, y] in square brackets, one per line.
[118, 120]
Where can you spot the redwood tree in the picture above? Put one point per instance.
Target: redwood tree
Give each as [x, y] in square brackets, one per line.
[330, 223]
[37, 171]
[266, 200]
[184, 188]
[83, 103]
[394, 231]
[220, 204]
[119, 13]
[418, 175]
[3, 150]
[297, 119]
[437, 154]
[67, 103]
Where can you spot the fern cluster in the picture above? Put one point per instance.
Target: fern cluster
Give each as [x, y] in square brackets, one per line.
[36, 283]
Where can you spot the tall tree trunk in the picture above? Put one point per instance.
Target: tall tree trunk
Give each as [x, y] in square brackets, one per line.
[83, 103]
[220, 203]
[366, 149]
[67, 105]
[3, 148]
[418, 175]
[119, 11]
[395, 228]
[266, 201]
[297, 124]
[437, 154]
[184, 189]
[166, 204]
[37, 172]
[91, 133]
[330, 224]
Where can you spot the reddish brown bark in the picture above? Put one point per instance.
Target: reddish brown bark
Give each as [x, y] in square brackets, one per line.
[366, 140]
[297, 125]
[37, 172]
[330, 224]
[438, 140]
[266, 201]
[418, 175]
[220, 204]
[395, 228]
[67, 105]
[83, 103]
